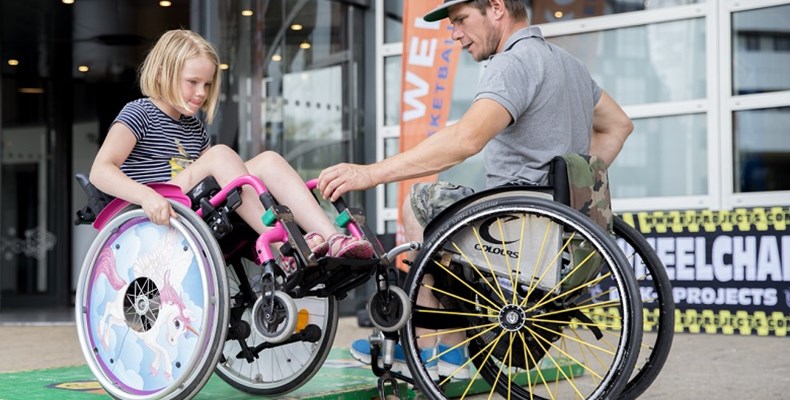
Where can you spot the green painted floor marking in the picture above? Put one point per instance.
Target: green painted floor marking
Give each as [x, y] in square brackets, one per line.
[340, 378]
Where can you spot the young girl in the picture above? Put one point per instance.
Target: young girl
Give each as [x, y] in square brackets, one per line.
[159, 139]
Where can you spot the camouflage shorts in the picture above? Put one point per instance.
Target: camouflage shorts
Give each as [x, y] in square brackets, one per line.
[428, 199]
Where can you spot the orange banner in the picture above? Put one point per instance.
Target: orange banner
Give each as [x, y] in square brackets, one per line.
[429, 58]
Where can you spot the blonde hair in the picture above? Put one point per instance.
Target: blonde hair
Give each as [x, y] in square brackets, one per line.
[160, 73]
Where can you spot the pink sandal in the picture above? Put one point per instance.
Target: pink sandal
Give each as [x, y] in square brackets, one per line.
[318, 245]
[341, 245]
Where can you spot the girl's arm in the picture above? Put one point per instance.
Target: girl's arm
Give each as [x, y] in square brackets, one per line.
[107, 176]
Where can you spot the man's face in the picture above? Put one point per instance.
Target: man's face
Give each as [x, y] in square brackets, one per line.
[474, 30]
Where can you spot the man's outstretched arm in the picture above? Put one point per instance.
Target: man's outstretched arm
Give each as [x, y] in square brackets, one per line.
[447, 147]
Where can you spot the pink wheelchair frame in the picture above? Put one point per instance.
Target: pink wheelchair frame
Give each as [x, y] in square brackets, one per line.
[246, 313]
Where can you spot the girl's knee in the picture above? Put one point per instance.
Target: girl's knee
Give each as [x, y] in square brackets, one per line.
[220, 150]
[268, 159]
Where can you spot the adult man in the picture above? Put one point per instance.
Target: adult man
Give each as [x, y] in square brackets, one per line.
[534, 102]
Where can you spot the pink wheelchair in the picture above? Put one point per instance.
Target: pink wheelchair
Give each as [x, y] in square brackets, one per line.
[159, 308]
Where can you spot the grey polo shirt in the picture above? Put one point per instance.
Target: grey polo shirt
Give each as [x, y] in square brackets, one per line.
[550, 96]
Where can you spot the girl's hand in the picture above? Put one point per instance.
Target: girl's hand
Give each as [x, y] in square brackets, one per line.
[158, 209]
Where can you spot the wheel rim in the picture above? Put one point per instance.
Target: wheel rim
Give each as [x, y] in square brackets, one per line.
[147, 318]
[535, 320]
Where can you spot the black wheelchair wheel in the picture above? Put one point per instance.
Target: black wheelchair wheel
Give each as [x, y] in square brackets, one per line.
[521, 278]
[659, 308]
[250, 362]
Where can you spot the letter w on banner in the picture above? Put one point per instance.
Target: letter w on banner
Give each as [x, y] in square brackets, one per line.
[429, 58]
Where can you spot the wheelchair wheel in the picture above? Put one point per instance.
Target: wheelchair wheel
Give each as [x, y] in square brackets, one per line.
[659, 308]
[151, 306]
[522, 280]
[252, 363]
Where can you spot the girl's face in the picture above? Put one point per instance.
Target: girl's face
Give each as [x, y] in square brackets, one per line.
[196, 80]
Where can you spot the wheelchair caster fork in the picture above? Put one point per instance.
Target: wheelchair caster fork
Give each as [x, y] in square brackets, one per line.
[382, 383]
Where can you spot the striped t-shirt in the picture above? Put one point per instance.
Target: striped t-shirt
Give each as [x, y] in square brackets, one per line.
[164, 146]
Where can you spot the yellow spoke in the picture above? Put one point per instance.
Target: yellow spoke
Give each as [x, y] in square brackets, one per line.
[444, 332]
[537, 367]
[513, 281]
[548, 267]
[490, 267]
[545, 300]
[570, 379]
[464, 282]
[457, 297]
[518, 261]
[464, 343]
[477, 372]
[580, 307]
[585, 349]
[445, 312]
[612, 327]
[560, 334]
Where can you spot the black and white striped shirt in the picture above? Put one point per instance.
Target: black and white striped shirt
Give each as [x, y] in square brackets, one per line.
[164, 146]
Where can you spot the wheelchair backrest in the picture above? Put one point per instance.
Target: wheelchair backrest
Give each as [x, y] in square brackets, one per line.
[582, 182]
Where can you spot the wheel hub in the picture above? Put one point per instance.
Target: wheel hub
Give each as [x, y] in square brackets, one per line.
[141, 304]
[512, 318]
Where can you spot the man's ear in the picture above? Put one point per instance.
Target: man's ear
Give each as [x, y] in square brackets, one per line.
[497, 8]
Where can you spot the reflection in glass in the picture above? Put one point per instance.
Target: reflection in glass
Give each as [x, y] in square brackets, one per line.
[312, 120]
[393, 21]
[645, 64]
[465, 86]
[664, 156]
[391, 147]
[761, 50]
[543, 11]
[392, 83]
[286, 96]
[761, 149]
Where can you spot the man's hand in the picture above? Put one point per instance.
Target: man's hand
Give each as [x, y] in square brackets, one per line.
[158, 209]
[339, 179]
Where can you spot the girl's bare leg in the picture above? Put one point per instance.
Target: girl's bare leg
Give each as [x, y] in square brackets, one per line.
[289, 189]
[224, 165]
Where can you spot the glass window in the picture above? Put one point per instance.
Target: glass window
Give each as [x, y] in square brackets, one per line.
[393, 21]
[645, 64]
[664, 156]
[760, 50]
[391, 147]
[290, 83]
[392, 83]
[761, 149]
[543, 11]
[465, 86]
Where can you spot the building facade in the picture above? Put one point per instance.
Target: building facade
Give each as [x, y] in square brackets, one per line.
[705, 81]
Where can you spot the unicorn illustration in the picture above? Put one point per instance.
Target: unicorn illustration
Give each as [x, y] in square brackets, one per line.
[151, 303]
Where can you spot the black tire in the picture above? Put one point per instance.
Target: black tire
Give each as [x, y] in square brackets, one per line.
[538, 314]
[282, 368]
[155, 296]
[650, 272]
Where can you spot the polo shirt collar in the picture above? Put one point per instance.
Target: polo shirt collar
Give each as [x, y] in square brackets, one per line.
[530, 31]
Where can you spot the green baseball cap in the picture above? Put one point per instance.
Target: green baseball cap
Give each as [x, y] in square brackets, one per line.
[441, 11]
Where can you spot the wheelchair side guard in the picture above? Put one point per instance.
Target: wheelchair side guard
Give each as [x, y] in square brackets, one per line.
[167, 190]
